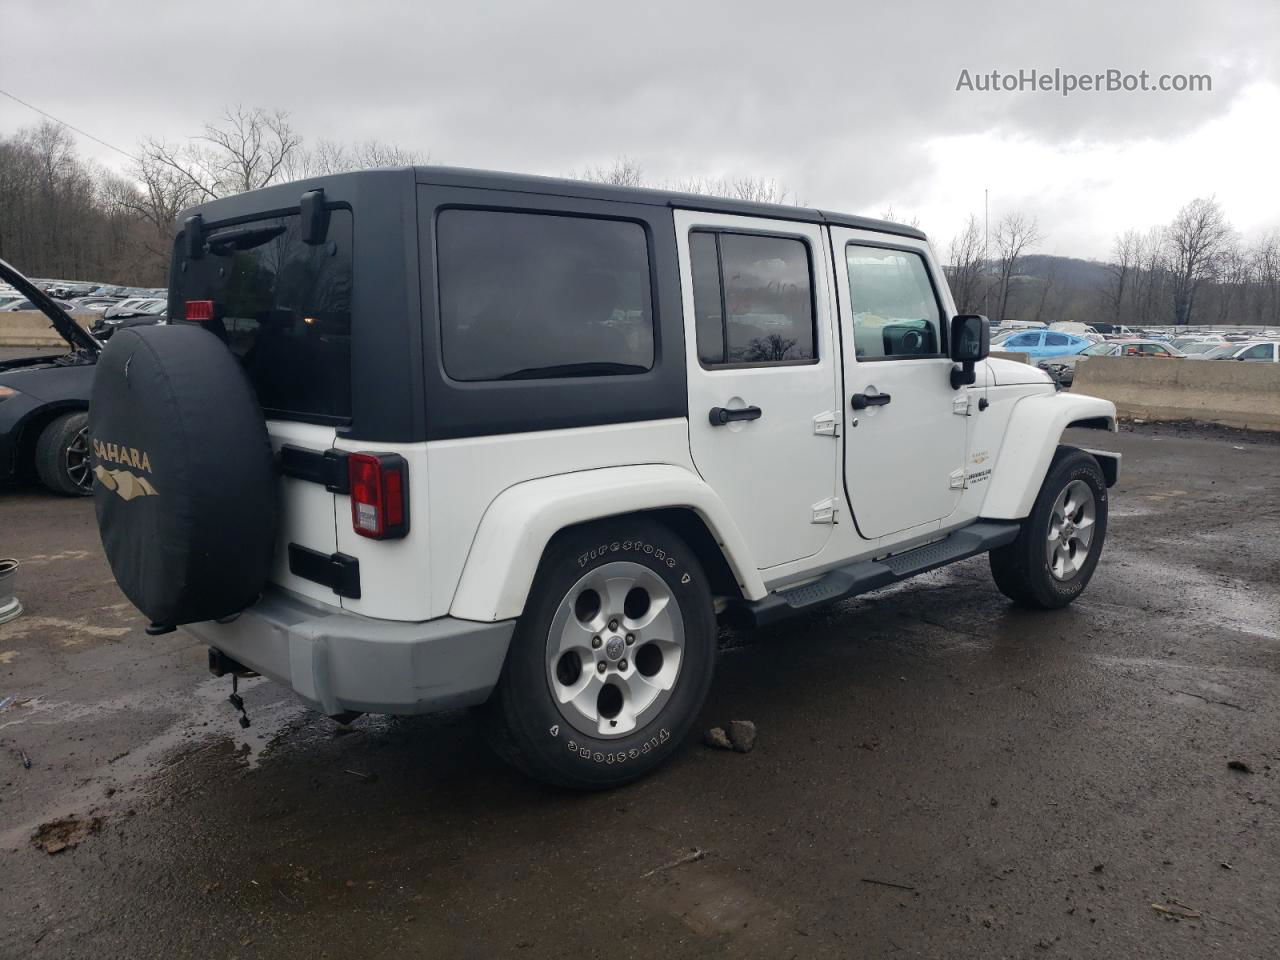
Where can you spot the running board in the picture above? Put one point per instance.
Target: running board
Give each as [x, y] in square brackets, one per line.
[867, 575]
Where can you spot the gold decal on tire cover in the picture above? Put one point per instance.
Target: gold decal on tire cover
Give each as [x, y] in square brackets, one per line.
[127, 485]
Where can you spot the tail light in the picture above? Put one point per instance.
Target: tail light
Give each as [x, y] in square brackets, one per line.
[379, 485]
[198, 311]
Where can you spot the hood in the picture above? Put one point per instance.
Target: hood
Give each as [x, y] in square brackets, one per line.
[72, 332]
[1007, 372]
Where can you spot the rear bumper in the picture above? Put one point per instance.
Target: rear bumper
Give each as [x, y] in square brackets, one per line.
[338, 661]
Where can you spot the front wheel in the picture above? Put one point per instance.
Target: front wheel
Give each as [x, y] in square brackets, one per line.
[62, 456]
[1055, 554]
[611, 660]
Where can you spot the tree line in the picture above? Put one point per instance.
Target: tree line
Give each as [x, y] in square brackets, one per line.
[65, 217]
[1194, 270]
[62, 216]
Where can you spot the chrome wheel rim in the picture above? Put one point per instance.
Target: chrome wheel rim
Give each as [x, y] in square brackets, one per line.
[615, 650]
[1071, 525]
[76, 460]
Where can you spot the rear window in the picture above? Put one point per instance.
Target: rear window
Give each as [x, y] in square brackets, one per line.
[284, 309]
[530, 296]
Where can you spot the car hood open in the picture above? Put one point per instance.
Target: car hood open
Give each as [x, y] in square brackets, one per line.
[70, 331]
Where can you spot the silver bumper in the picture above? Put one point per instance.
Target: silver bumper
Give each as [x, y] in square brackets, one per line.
[338, 661]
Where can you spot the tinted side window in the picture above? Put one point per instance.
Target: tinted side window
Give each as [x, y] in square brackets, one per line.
[895, 311]
[1024, 340]
[527, 296]
[1056, 340]
[708, 305]
[753, 299]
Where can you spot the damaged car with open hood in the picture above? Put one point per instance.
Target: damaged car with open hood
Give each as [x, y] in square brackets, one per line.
[44, 403]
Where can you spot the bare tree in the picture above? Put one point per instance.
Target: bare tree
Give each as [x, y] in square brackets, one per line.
[1015, 236]
[244, 150]
[623, 171]
[1195, 243]
[1266, 272]
[753, 189]
[965, 266]
[330, 156]
[892, 216]
[1125, 254]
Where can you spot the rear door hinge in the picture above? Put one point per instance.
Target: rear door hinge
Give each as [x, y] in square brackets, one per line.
[824, 511]
[824, 424]
[960, 406]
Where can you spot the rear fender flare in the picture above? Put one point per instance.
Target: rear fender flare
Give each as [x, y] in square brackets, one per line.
[520, 522]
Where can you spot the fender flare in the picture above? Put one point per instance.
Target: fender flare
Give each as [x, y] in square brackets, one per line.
[518, 524]
[1030, 441]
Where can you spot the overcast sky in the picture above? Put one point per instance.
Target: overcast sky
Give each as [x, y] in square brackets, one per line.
[852, 105]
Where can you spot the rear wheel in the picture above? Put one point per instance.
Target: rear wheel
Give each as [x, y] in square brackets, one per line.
[1055, 554]
[612, 659]
[62, 456]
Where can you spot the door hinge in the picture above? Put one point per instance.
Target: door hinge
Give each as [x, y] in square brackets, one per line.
[824, 424]
[824, 511]
[957, 479]
[960, 406]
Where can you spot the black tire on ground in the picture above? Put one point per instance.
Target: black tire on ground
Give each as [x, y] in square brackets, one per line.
[528, 729]
[62, 456]
[1022, 569]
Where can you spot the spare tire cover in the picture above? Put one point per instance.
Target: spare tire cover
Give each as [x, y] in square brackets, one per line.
[184, 478]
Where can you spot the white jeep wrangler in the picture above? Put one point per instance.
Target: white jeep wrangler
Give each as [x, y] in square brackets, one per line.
[437, 438]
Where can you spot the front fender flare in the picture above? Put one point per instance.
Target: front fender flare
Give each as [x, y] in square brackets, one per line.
[518, 524]
[1030, 441]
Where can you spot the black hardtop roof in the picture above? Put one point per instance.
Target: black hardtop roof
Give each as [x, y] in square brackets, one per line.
[528, 183]
[286, 195]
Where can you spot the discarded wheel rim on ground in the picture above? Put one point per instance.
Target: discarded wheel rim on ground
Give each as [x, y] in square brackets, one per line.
[10, 607]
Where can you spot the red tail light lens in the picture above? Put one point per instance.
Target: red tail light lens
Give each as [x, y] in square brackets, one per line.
[198, 311]
[379, 495]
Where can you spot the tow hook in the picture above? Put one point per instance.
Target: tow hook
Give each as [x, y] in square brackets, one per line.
[237, 701]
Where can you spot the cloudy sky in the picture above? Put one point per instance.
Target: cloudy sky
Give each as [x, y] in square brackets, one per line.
[852, 105]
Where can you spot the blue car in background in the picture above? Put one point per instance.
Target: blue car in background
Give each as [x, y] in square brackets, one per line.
[1044, 343]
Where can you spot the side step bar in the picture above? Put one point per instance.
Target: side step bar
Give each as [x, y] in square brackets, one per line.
[867, 575]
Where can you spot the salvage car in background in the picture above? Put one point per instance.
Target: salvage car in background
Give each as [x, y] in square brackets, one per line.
[1063, 369]
[1254, 351]
[44, 402]
[1045, 343]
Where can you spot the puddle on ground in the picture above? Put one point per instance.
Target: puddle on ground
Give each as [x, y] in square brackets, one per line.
[202, 719]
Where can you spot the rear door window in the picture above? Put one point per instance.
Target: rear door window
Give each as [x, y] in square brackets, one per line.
[284, 309]
[753, 299]
[527, 296]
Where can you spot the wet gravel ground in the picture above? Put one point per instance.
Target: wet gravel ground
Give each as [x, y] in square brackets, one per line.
[937, 774]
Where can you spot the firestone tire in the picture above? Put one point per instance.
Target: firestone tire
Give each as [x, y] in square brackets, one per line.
[1074, 490]
[530, 723]
[62, 456]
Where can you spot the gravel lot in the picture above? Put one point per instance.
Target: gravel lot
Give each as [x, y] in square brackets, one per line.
[937, 774]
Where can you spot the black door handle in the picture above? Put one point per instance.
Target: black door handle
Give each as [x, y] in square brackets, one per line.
[719, 416]
[861, 401]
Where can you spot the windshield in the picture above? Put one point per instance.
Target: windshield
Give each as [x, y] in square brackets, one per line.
[1221, 351]
[1099, 349]
[283, 307]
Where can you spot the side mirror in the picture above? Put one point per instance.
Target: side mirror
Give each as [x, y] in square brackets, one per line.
[970, 342]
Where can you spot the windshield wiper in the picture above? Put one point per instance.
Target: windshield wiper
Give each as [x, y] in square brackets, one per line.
[590, 369]
[243, 238]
